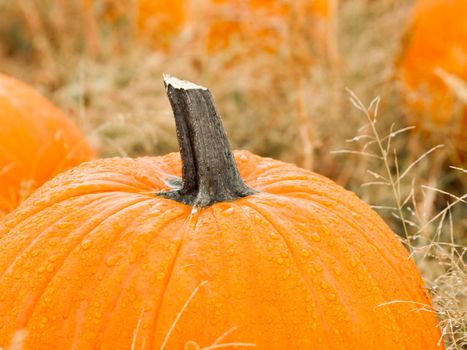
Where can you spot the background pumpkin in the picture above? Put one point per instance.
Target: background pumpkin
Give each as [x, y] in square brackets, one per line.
[37, 141]
[260, 24]
[117, 253]
[157, 21]
[437, 40]
[160, 20]
[253, 24]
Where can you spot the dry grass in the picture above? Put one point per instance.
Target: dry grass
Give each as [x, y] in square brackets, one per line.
[429, 233]
[290, 104]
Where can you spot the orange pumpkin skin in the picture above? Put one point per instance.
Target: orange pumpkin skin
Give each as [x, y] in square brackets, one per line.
[37, 141]
[93, 260]
[437, 39]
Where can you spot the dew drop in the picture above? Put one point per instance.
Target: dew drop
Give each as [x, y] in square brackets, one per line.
[85, 244]
[315, 236]
[275, 236]
[111, 261]
[326, 231]
[243, 157]
[228, 211]
[132, 258]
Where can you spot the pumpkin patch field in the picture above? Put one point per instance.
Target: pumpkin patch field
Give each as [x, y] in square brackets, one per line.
[233, 174]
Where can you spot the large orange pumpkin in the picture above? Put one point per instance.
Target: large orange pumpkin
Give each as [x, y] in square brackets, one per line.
[122, 253]
[37, 141]
[437, 40]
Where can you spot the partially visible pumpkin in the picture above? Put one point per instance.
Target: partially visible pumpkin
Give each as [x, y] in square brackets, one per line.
[124, 254]
[436, 44]
[259, 24]
[157, 21]
[37, 141]
[161, 20]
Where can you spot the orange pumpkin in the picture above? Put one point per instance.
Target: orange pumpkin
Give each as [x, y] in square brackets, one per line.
[257, 24]
[437, 40]
[158, 21]
[121, 253]
[37, 141]
[161, 20]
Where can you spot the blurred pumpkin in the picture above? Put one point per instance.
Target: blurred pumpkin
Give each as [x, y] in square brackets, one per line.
[123, 253]
[157, 21]
[161, 20]
[37, 141]
[436, 48]
[259, 24]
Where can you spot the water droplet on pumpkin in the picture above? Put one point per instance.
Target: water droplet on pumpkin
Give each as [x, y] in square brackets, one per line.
[315, 236]
[52, 258]
[41, 269]
[132, 258]
[318, 268]
[160, 276]
[85, 244]
[305, 253]
[49, 268]
[111, 261]
[228, 211]
[52, 242]
[243, 157]
[275, 236]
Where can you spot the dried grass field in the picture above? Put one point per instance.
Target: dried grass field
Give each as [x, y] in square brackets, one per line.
[321, 87]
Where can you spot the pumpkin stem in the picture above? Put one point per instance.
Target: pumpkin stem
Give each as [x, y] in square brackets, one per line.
[209, 172]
